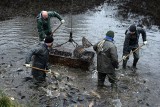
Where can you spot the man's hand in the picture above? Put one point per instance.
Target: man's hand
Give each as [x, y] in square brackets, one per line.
[56, 74]
[117, 68]
[124, 57]
[49, 71]
[62, 21]
[145, 42]
[28, 65]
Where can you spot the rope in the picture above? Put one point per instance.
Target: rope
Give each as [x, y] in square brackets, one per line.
[73, 44]
[71, 13]
[70, 39]
[60, 44]
[67, 42]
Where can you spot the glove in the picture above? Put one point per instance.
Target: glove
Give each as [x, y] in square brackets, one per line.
[49, 71]
[145, 42]
[62, 21]
[28, 65]
[124, 57]
[117, 68]
[56, 74]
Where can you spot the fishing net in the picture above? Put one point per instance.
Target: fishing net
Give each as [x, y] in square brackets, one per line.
[86, 43]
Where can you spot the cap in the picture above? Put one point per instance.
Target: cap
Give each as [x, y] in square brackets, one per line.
[132, 28]
[48, 39]
[110, 34]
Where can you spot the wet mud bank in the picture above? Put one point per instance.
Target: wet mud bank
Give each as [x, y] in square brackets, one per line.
[127, 8]
[149, 9]
[12, 8]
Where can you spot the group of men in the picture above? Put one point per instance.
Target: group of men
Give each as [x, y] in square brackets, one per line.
[107, 57]
[40, 53]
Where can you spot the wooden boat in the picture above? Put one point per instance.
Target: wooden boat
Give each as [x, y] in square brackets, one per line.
[65, 57]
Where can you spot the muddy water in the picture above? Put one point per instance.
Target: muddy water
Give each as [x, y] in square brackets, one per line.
[140, 90]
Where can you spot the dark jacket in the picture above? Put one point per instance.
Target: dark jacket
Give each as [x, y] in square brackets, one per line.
[107, 59]
[44, 26]
[40, 56]
[131, 40]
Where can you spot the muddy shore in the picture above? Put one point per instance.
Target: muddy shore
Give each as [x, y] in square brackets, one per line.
[149, 9]
[26, 8]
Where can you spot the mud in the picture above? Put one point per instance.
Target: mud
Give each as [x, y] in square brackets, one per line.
[147, 8]
[76, 87]
[28, 8]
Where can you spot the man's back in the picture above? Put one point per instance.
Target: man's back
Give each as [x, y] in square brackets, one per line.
[40, 53]
[107, 58]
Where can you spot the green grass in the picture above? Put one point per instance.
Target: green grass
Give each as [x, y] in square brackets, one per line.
[6, 101]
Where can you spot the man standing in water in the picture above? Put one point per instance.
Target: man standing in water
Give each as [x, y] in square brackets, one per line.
[131, 43]
[40, 59]
[107, 60]
[43, 23]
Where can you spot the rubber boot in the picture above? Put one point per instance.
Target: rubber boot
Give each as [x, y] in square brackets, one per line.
[135, 62]
[100, 83]
[114, 87]
[124, 64]
[134, 68]
[101, 79]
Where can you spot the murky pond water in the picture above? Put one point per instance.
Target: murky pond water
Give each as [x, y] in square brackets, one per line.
[78, 87]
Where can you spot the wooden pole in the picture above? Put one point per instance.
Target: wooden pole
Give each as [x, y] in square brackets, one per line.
[132, 52]
[56, 28]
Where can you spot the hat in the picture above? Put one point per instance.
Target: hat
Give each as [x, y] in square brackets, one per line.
[132, 28]
[48, 39]
[110, 34]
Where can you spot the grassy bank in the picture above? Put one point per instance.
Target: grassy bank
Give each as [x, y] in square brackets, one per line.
[6, 101]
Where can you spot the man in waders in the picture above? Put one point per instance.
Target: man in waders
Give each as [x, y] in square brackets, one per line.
[107, 60]
[43, 23]
[131, 43]
[40, 55]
